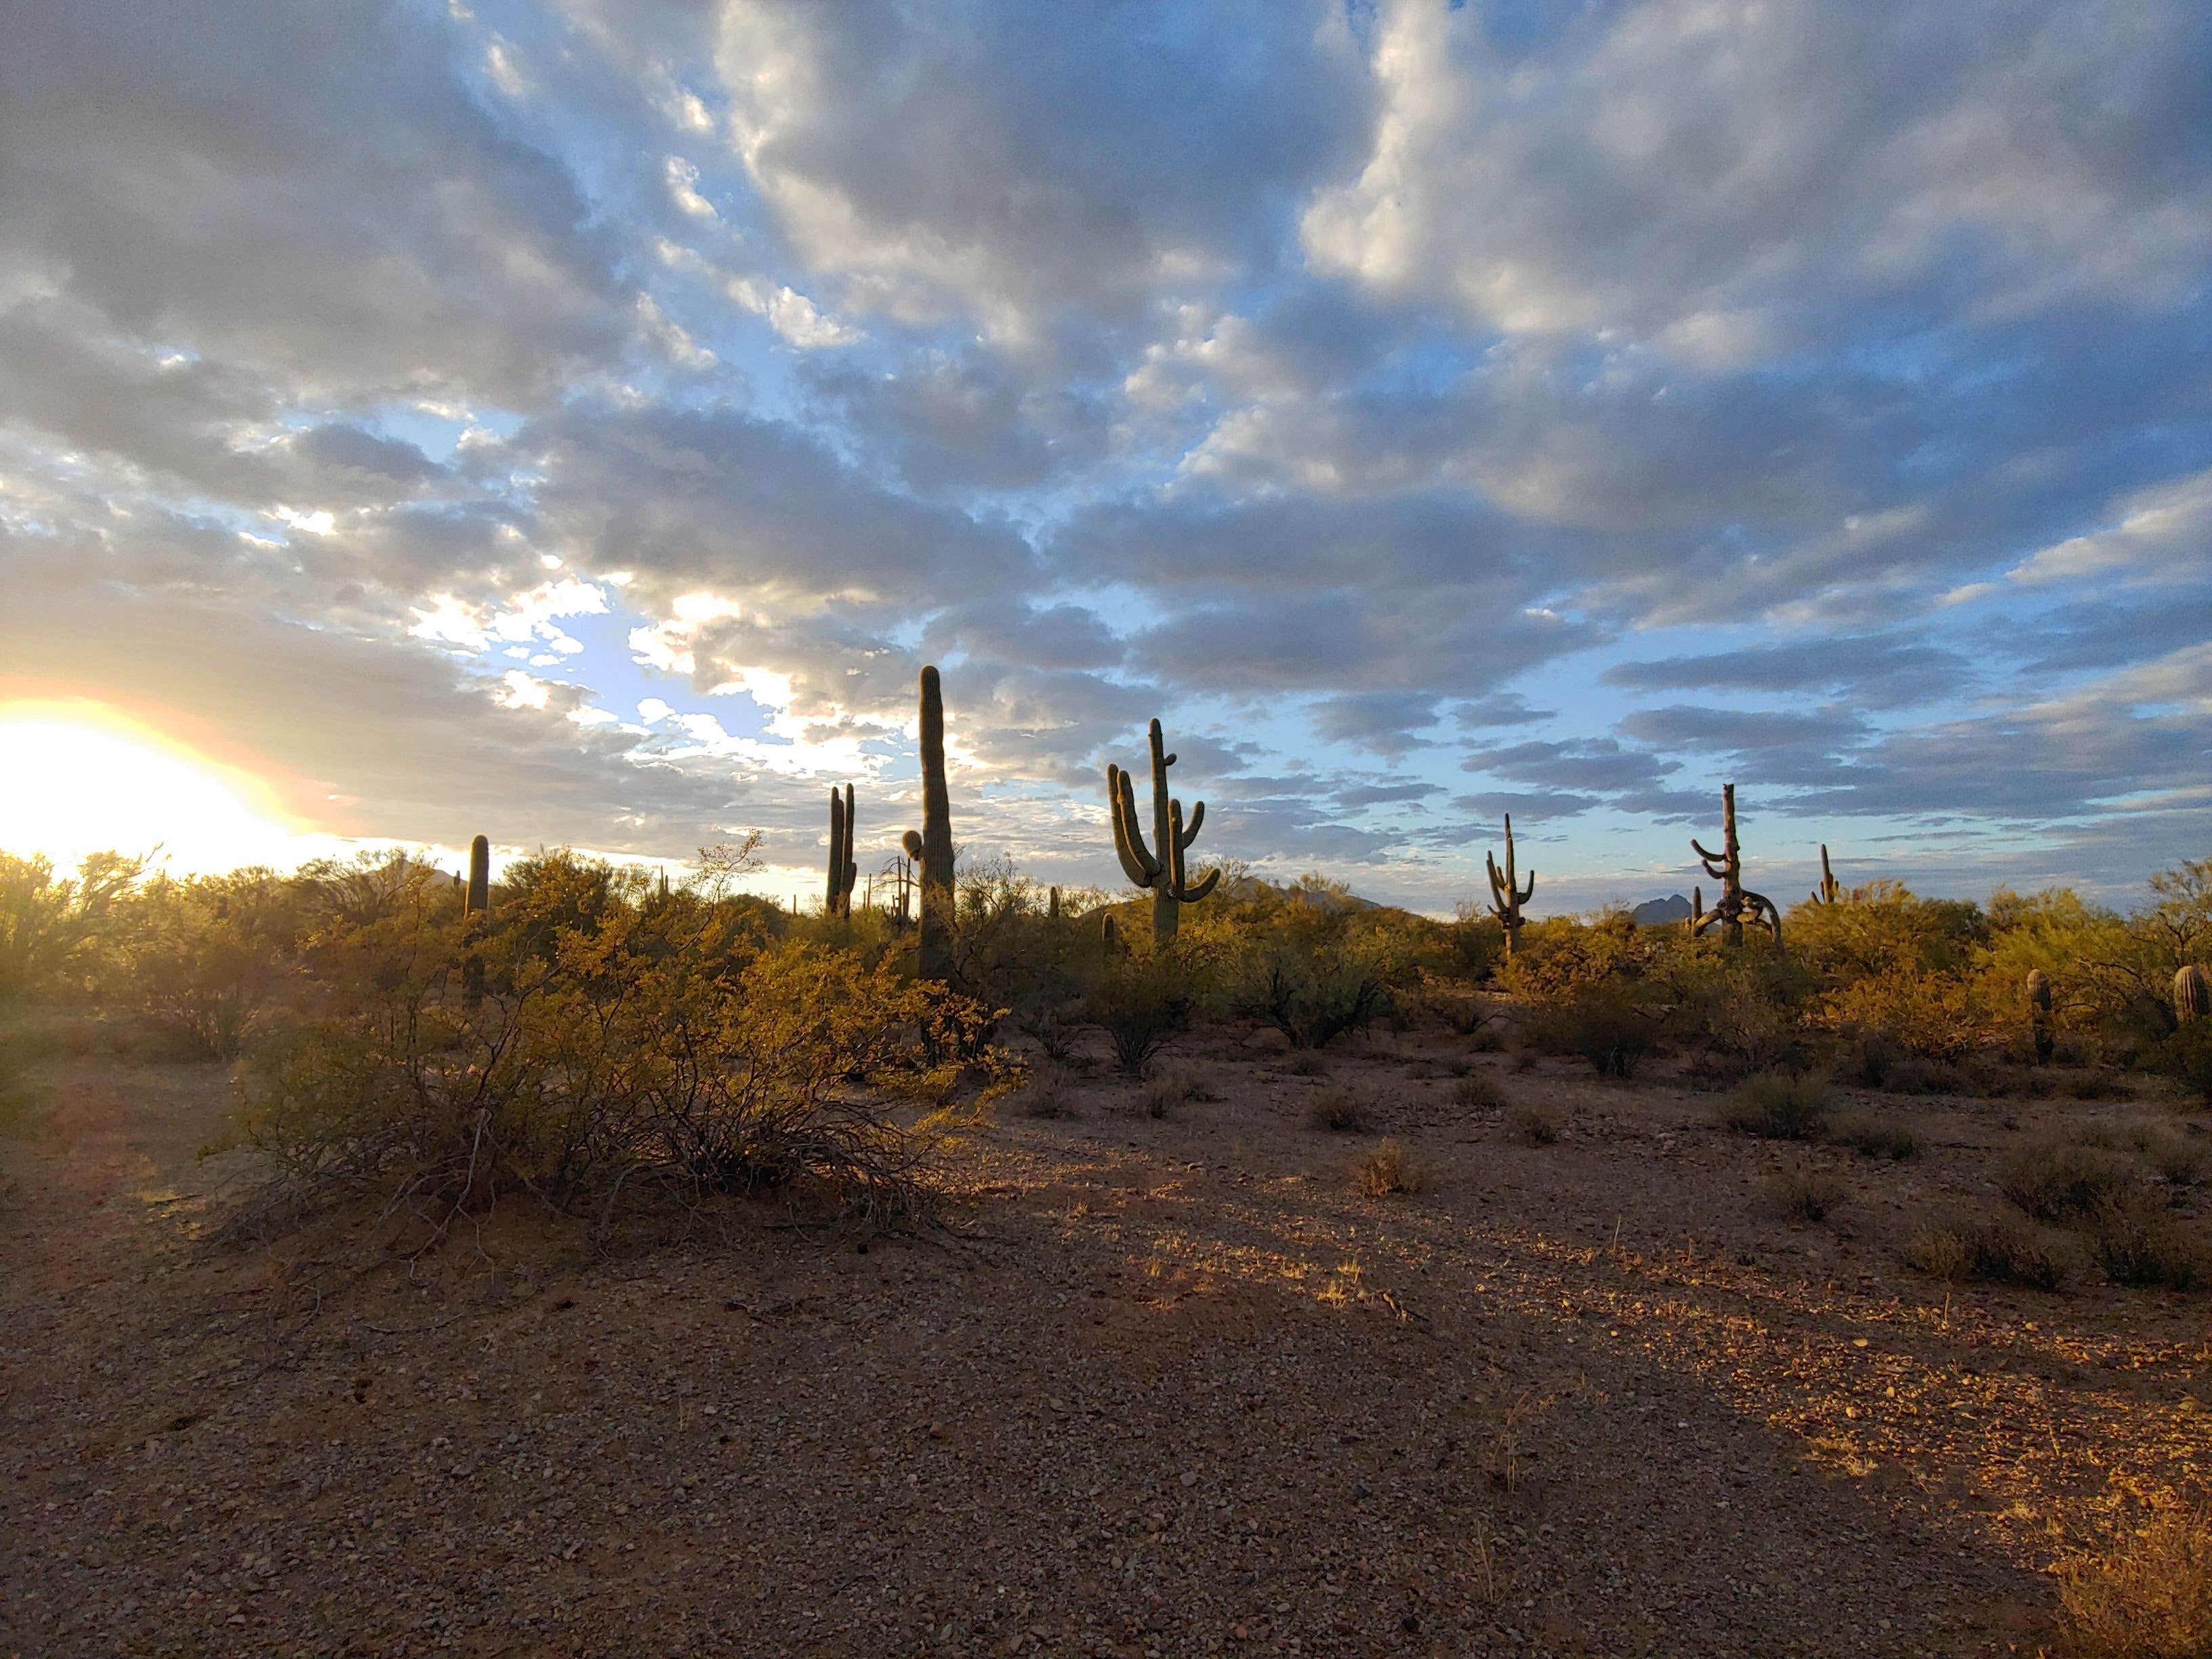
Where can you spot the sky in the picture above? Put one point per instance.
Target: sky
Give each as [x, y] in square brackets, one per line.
[578, 422]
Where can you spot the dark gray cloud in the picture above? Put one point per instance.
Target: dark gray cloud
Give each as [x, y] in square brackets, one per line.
[1877, 671]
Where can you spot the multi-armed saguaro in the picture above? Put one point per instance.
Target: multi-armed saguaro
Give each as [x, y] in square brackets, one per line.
[1162, 872]
[1738, 903]
[1506, 899]
[1830, 891]
[932, 849]
[843, 871]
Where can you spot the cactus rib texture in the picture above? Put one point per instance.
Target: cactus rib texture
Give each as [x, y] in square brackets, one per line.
[1738, 903]
[1161, 872]
[1505, 898]
[2193, 993]
[479, 893]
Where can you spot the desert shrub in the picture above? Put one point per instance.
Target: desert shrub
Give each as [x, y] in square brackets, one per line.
[2137, 1241]
[54, 928]
[1172, 1086]
[1338, 1110]
[2176, 1159]
[2062, 1180]
[1143, 1003]
[1805, 1195]
[1314, 999]
[628, 1051]
[202, 959]
[1876, 1137]
[2186, 1055]
[1048, 1094]
[1478, 1091]
[2150, 1598]
[1868, 1060]
[23, 1100]
[1779, 1106]
[1538, 1126]
[1388, 1170]
[1306, 1064]
[1916, 1076]
[1926, 1012]
[1995, 1249]
[2095, 1082]
[1602, 1023]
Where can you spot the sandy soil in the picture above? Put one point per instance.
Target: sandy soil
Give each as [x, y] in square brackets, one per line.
[1171, 1386]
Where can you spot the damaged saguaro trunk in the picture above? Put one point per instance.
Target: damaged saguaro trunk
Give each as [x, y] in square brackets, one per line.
[1162, 871]
[1738, 903]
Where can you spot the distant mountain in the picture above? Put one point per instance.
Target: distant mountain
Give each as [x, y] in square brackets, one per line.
[1656, 913]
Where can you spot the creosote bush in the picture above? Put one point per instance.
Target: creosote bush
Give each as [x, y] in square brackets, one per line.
[1876, 1137]
[1537, 1125]
[1602, 1023]
[1478, 1091]
[1779, 1106]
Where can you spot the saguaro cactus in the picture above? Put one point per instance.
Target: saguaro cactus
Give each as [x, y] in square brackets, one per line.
[843, 871]
[1738, 903]
[1163, 873]
[932, 847]
[1506, 899]
[479, 894]
[1830, 891]
[2038, 1015]
[2193, 994]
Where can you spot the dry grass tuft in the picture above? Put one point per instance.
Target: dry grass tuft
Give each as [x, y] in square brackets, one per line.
[1389, 1169]
[1338, 1110]
[1539, 1126]
[2139, 1244]
[1876, 1137]
[1306, 1063]
[1802, 1193]
[1779, 1106]
[1046, 1095]
[1994, 1249]
[1478, 1091]
[2063, 1181]
[2151, 1598]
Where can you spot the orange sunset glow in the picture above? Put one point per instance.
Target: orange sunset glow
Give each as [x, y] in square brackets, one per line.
[85, 775]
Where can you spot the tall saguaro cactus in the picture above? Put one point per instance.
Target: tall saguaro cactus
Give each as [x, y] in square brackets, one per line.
[1738, 903]
[843, 871]
[1506, 899]
[932, 847]
[1830, 891]
[479, 893]
[1162, 871]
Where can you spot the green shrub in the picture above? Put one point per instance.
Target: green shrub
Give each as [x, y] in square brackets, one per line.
[1313, 999]
[1602, 1023]
[1779, 1106]
[1143, 1003]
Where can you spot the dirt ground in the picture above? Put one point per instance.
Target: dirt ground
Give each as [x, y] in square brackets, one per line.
[1164, 1387]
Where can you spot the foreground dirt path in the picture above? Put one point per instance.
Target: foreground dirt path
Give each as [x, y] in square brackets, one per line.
[1176, 1390]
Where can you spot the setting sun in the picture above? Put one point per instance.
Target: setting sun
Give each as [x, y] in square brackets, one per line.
[83, 776]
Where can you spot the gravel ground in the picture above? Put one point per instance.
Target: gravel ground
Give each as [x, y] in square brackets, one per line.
[1165, 1387]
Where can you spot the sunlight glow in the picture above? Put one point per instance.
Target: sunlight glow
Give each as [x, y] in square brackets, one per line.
[78, 777]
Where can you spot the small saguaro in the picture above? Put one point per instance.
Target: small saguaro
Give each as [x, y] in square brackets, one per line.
[1738, 903]
[931, 846]
[2038, 1015]
[1505, 898]
[1830, 891]
[2193, 993]
[1161, 872]
[843, 871]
